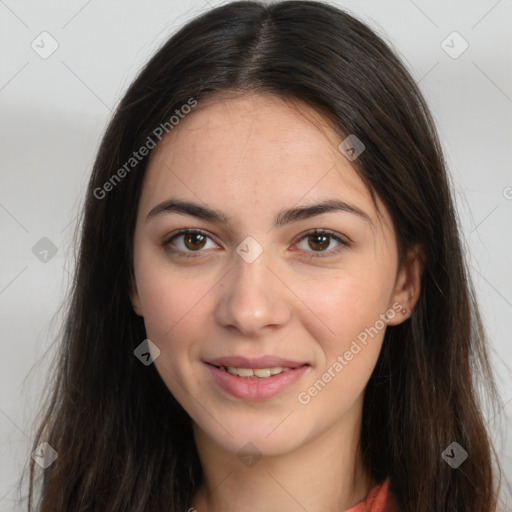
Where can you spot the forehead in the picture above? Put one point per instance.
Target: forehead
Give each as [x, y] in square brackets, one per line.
[253, 153]
[236, 132]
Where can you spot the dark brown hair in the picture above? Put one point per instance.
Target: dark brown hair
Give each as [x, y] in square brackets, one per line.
[124, 443]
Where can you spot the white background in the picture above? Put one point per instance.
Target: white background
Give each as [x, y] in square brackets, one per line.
[54, 111]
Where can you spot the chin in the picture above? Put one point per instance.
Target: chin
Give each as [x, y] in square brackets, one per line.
[251, 437]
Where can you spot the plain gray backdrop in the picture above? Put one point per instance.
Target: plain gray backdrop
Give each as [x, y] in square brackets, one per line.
[64, 67]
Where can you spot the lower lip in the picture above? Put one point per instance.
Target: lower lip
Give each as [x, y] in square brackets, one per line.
[256, 388]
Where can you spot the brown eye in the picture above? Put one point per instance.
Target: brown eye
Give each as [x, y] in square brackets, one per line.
[194, 241]
[187, 242]
[319, 242]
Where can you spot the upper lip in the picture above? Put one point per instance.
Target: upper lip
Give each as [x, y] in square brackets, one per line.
[256, 362]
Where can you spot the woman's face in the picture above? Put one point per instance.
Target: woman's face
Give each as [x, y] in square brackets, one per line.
[255, 288]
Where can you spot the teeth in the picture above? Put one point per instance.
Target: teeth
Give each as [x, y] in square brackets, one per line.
[244, 372]
[262, 373]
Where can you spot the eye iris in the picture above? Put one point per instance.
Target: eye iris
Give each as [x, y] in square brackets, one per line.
[319, 244]
[194, 239]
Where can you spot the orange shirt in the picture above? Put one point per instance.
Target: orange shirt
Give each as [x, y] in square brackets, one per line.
[379, 499]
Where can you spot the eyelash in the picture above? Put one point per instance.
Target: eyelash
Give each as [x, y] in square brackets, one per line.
[319, 254]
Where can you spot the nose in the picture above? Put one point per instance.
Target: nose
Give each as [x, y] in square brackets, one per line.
[253, 297]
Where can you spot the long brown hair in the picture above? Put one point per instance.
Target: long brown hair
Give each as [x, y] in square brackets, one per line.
[123, 442]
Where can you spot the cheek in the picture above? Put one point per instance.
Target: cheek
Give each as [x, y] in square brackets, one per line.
[351, 308]
[174, 313]
[169, 297]
[349, 337]
[163, 308]
[174, 318]
[345, 305]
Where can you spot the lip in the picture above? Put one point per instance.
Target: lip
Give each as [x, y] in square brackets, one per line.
[255, 362]
[256, 388]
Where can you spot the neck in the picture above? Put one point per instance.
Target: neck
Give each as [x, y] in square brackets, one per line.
[325, 473]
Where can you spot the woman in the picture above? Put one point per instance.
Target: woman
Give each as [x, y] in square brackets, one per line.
[271, 308]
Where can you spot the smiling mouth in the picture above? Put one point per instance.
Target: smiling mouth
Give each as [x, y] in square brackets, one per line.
[259, 382]
[253, 373]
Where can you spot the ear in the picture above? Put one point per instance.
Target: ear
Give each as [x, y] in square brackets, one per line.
[134, 297]
[407, 284]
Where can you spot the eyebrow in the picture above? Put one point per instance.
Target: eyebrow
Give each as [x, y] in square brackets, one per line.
[282, 218]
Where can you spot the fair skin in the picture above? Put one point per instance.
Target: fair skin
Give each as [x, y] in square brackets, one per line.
[304, 298]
